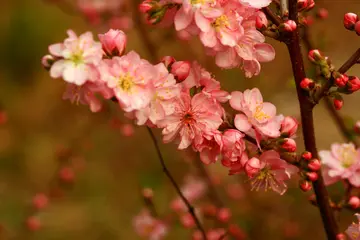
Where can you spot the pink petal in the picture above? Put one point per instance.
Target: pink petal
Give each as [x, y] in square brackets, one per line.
[242, 123]
[236, 100]
[264, 52]
[182, 19]
[202, 22]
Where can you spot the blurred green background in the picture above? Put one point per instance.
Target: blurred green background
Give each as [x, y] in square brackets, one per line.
[110, 169]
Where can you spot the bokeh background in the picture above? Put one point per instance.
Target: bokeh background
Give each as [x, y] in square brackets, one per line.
[43, 134]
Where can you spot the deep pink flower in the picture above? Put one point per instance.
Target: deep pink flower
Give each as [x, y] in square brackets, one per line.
[233, 145]
[78, 58]
[289, 126]
[193, 118]
[342, 162]
[209, 149]
[113, 42]
[147, 226]
[255, 113]
[131, 79]
[273, 173]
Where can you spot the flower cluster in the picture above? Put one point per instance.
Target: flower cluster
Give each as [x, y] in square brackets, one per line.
[181, 98]
[227, 29]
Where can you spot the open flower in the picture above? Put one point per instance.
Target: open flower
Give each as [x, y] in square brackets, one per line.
[193, 118]
[273, 173]
[78, 58]
[131, 79]
[255, 113]
[342, 162]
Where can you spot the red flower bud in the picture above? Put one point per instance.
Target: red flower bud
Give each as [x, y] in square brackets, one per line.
[310, 5]
[312, 176]
[353, 84]
[305, 185]
[181, 70]
[357, 127]
[307, 84]
[261, 20]
[340, 236]
[302, 4]
[314, 165]
[349, 20]
[187, 220]
[145, 6]
[354, 202]
[307, 156]
[315, 55]
[40, 201]
[322, 13]
[113, 42]
[341, 80]
[338, 103]
[290, 26]
[289, 145]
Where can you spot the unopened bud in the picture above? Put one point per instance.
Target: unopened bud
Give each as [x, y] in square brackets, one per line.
[322, 13]
[289, 26]
[354, 202]
[305, 185]
[307, 156]
[181, 70]
[289, 145]
[261, 20]
[145, 6]
[47, 61]
[340, 236]
[187, 220]
[67, 174]
[338, 103]
[33, 223]
[314, 165]
[312, 176]
[353, 84]
[289, 126]
[341, 80]
[357, 127]
[307, 84]
[168, 61]
[113, 42]
[252, 166]
[315, 55]
[350, 20]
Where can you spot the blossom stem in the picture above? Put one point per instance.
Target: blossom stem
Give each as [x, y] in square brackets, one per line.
[272, 16]
[306, 110]
[175, 185]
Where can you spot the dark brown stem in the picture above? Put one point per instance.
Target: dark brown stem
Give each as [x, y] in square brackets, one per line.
[306, 111]
[272, 16]
[175, 185]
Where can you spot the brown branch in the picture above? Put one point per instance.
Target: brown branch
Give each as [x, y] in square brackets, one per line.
[175, 185]
[306, 111]
[272, 16]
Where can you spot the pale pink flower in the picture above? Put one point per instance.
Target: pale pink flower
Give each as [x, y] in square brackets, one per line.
[256, 3]
[353, 231]
[131, 79]
[342, 162]
[113, 42]
[273, 173]
[147, 226]
[85, 94]
[78, 58]
[162, 103]
[233, 145]
[193, 118]
[255, 113]
[193, 189]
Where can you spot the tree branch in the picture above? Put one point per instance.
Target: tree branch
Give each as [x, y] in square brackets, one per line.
[175, 185]
[306, 110]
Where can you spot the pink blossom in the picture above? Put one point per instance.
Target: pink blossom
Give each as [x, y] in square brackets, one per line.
[233, 145]
[85, 94]
[78, 58]
[162, 103]
[147, 226]
[131, 79]
[113, 42]
[273, 173]
[289, 126]
[192, 119]
[236, 167]
[342, 162]
[353, 231]
[255, 113]
[257, 3]
[210, 149]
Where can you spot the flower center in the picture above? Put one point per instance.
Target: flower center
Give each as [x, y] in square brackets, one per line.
[77, 58]
[220, 22]
[348, 155]
[126, 83]
[188, 118]
[259, 114]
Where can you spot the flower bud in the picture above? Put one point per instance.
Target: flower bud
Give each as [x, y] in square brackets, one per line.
[314, 165]
[310, 5]
[113, 42]
[261, 21]
[147, 193]
[145, 6]
[307, 84]
[289, 145]
[187, 220]
[47, 61]
[338, 103]
[181, 70]
[66, 174]
[302, 4]
[305, 185]
[289, 26]
[33, 223]
[168, 61]
[289, 126]
[357, 28]
[40, 201]
[252, 166]
[312, 176]
[315, 55]
[224, 215]
[353, 84]
[350, 20]
[322, 13]
[340, 236]
[307, 156]
[354, 202]
[341, 80]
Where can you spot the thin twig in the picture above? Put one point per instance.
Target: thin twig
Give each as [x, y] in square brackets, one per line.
[175, 185]
[306, 110]
[272, 16]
